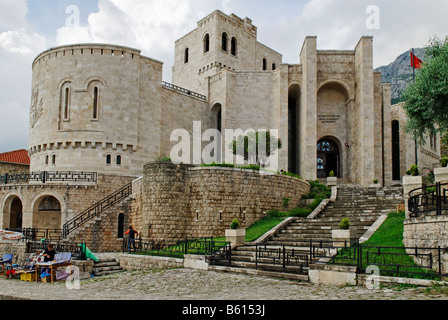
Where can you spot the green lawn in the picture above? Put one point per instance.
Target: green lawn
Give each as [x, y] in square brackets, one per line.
[389, 237]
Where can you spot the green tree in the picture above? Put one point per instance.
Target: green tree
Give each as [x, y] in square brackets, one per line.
[250, 144]
[426, 100]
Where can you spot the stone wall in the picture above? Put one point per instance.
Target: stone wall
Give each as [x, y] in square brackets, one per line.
[183, 201]
[13, 168]
[429, 231]
[16, 248]
[136, 262]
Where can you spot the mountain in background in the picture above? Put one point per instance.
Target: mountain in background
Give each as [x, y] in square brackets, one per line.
[399, 73]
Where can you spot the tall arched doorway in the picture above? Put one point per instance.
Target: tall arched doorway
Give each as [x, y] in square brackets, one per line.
[47, 213]
[16, 214]
[328, 158]
[396, 175]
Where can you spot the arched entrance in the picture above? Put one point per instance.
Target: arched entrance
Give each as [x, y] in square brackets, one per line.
[47, 213]
[16, 214]
[396, 175]
[328, 158]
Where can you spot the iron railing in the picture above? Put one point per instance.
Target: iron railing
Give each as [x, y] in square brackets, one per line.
[77, 250]
[48, 176]
[184, 91]
[429, 200]
[175, 248]
[35, 234]
[96, 209]
[421, 262]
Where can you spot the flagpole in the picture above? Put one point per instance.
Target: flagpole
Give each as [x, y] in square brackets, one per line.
[413, 79]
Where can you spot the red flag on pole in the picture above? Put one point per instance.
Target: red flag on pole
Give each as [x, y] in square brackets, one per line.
[416, 62]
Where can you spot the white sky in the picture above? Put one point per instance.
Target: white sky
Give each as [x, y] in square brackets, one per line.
[30, 27]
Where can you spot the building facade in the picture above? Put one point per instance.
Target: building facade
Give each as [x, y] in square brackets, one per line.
[104, 109]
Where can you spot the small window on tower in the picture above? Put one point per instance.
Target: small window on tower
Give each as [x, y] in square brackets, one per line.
[108, 159]
[206, 43]
[233, 48]
[119, 160]
[186, 55]
[265, 64]
[224, 42]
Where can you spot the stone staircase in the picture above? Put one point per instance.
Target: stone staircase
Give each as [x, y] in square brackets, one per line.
[106, 266]
[362, 206]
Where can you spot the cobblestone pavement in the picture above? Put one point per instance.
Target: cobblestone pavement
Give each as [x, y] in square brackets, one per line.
[186, 284]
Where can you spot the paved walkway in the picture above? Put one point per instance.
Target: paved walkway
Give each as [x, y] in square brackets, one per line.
[186, 284]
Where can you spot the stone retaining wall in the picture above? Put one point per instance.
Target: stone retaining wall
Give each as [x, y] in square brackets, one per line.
[136, 262]
[184, 201]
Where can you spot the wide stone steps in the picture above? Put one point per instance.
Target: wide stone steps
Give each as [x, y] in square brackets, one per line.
[106, 266]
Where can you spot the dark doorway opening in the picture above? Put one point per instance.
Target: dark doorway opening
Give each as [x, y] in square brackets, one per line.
[396, 150]
[16, 214]
[328, 159]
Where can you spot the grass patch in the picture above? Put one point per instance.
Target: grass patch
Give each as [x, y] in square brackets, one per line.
[389, 237]
[259, 228]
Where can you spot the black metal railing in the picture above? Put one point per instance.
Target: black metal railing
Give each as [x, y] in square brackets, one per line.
[420, 262]
[77, 250]
[175, 248]
[48, 176]
[96, 209]
[36, 234]
[423, 262]
[429, 200]
[183, 90]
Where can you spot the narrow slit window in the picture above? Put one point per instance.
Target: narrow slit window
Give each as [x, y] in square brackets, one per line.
[95, 102]
[265, 64]
[53, 159]
[206, 43]
[108, 159]
[119, 160]
[186, 56]
[66, 103]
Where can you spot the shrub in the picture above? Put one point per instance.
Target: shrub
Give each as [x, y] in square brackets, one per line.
[285, 203]
[345, 224]
[300, 212]
[277, 214]
[161, 158]
[332, 174]
[235, 224]
[444, 162]
[431, 177]
[413, 171]
[375, 181]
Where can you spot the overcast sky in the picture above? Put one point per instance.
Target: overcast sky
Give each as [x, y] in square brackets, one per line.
[28, 27]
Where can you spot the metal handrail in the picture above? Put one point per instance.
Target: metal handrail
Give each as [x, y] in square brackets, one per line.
[49, 176]
[96, 209]
[183, 90]
[423, 201]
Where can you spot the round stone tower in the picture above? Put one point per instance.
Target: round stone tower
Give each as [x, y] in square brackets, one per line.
[84, 109]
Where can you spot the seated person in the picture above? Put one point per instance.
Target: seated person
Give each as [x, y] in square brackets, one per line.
[48, 255]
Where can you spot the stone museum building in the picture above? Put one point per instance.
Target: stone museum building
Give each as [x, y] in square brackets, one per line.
[100, 113]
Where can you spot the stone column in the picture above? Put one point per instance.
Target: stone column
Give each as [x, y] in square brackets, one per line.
[308, 110]
[411, 183]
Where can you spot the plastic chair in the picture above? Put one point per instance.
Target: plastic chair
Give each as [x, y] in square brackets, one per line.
[7, 259]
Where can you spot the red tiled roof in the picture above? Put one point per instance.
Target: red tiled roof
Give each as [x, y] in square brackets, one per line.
[18, 156]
